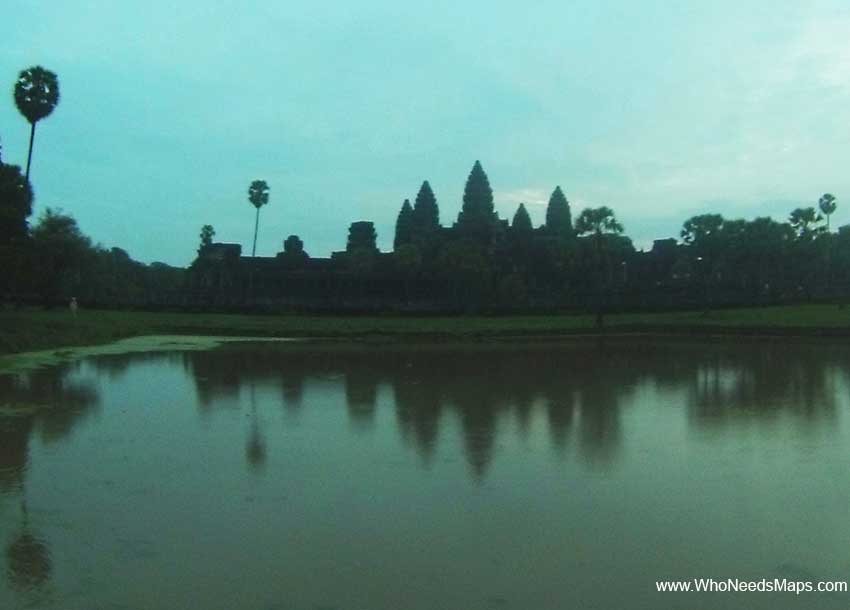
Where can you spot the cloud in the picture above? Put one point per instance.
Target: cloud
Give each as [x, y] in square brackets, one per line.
[530, 196]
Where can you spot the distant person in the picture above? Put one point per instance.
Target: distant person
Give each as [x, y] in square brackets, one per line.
[73, 306]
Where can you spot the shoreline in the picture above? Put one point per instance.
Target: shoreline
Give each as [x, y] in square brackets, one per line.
[23, 362]
[25, 334]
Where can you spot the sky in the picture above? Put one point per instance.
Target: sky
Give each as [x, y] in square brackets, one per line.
[658, 109]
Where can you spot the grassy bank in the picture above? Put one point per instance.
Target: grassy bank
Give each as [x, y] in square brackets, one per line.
[37, 330]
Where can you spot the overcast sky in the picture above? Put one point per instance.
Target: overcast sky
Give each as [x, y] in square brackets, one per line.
[660, 110]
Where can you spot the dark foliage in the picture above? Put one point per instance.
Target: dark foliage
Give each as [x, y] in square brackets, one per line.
[258, 193]
[805, 222]
[15, 207]
[59, 253]
[36, 93]
[15, 204]
[207, 235]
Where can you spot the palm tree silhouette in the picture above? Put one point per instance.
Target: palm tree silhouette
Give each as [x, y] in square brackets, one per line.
[29, 565]
[258, 195]
[827, 206]
[36, 95]
[255, 448]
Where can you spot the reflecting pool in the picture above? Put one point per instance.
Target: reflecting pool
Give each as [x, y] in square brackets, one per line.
[434, 476]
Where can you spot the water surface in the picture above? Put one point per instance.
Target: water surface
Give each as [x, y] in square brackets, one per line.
[505, 476]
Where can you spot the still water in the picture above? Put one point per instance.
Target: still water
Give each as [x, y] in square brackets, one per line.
[503, 476]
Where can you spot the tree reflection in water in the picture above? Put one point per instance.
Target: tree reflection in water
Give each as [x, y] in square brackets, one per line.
[580, 386]
[28, 559]
[48, 402]
[255, 448]
[493, 414]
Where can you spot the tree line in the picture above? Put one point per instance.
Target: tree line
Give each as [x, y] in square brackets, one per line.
[480, 261]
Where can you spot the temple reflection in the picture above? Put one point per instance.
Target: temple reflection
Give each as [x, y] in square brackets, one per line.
[280, 418]
[361, 393]
[580, 388]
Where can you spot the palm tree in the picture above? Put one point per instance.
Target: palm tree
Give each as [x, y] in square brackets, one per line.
[827, 206]
[258, 195]
[36, 95]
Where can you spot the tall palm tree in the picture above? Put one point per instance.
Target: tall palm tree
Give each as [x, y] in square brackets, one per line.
[258, 195]
[827, 206]
[36, 95]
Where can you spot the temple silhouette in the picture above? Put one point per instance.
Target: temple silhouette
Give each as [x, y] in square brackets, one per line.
[480, 262]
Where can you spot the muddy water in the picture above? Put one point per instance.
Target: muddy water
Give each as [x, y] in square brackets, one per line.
[503, 476]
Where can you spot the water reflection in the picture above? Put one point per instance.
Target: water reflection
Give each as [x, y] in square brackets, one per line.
[582, 387]
[49, 403]
[752, 382]
[28, 558]
[361, 393]
[595, 405]
[255, 447]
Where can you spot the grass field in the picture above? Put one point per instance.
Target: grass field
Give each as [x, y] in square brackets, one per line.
[38, 330]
